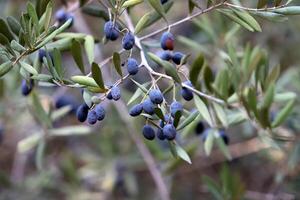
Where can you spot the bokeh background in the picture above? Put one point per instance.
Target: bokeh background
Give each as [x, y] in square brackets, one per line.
[106, 164]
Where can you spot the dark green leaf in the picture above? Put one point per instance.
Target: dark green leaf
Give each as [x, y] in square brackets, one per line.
[269, 96]
[57, 62]
[5, 30]
[14, 25]
[196, 69]
[188, 120]
[97, 75]
[208, 77]
[95, 11]
[262, 3]
[159, 113]
[76, 53]
[177, 117]
[3, 40]
[41, 6]
[117, 63]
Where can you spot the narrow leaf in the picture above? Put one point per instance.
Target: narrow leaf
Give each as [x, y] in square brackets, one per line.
[97, 75]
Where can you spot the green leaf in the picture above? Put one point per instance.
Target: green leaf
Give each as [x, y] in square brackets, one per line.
[70, 130]
[188, 120]
[246, 17]
[286, 96]
[191, 6]
[269, 96]
[150, 18]
[159, 113]
[130, 3]
[142, 87]
[95, 11]
[221, 114]
[84, 80]
[57, 62]
[221, 84]
[54, 33]
[222, 146]
[202, 108]
[87, 97]
[33, 15]
[172, 146]
[209, 142]
[76, 53]
[138, 93]
[251, 98]
[3, 40]
[177, 117]
[89, 45]
[16, 46]
[158, 7]
[97, 75]
[14, 25]
[182, 154]
[169, 68]
[47, 16]
[142, 23]
[83, 2]
[5, 30]
[273, 75]
[271, 16]
[42, 77]
[196, 69]
[5, 67]
[208, 77]
[41, 6]
[29, 143]
[236, 19]
[283, 113]
[117, 63]
[213, 188]
[28, 68]
[291, 10]
[40, 113]
[59, 113]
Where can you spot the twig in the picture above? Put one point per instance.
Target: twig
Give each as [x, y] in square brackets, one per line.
[188, 18]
